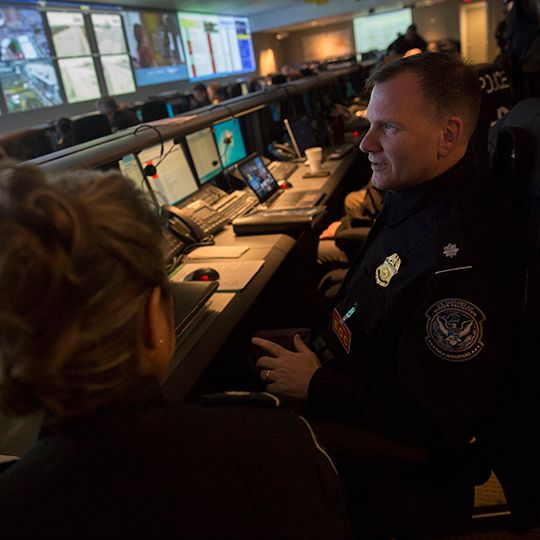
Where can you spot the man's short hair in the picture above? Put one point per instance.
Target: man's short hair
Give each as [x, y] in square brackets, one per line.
[446, 81]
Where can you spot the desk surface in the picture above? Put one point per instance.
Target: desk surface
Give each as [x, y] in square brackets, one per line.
[204, 336]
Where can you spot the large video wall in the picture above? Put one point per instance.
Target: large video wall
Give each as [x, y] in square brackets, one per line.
[56, 53]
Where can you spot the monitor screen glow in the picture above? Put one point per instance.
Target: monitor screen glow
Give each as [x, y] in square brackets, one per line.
[204, 154]
[155, 47]
[173, 180]
[109, 33]
[376, 32]
[118, 74]
[68, 33]
[230, 142]
[80, 79]
[215, 45]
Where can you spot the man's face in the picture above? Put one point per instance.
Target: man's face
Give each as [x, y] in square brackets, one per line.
[403, 140]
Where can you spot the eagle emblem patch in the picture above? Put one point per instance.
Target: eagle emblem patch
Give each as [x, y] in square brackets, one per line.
[454, 329]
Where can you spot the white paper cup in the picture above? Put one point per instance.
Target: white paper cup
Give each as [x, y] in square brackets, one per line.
[314, 158]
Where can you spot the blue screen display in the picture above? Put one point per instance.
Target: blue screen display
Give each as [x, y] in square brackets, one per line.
[230, 142]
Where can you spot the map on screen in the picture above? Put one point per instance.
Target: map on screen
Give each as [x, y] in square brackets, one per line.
[118, 74]
[376, 32]
[216, 45]
[109, 33]
[80, 79]
[68, 33]
[27, 75]
[155, 47]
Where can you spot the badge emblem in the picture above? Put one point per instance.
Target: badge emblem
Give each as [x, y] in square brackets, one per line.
[450, 250]
[454, 329]
[388, 269]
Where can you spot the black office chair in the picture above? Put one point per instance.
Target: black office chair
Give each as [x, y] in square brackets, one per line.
[512, 438]
[154, 110]
[89, 128]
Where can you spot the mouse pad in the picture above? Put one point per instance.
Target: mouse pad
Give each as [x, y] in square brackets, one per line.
[233, 276]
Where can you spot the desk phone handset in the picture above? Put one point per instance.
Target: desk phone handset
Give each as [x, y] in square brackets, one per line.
[194, 222]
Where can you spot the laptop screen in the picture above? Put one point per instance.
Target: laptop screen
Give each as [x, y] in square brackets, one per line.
[258, 177]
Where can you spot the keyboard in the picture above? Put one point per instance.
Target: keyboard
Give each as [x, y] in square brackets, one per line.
[235, 204]
[281, 170]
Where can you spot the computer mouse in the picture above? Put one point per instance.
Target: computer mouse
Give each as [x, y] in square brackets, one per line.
[284, 184]
[203, 274]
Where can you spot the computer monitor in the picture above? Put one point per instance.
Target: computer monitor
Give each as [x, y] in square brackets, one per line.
[131, 169]
[204, 154]
[173, 180]
[301, 134]
[230, 142]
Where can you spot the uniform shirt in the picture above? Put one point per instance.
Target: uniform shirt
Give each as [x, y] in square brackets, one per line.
[429, 306]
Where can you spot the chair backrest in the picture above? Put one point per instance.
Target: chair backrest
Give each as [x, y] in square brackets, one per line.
[154, 110]
[513, 439]
[26, 144]
[496, 102]
[89, 128]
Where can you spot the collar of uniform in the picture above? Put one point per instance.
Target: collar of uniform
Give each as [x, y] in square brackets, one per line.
[401, 204]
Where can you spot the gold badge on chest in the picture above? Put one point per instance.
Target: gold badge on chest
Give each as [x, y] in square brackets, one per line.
[387, 270]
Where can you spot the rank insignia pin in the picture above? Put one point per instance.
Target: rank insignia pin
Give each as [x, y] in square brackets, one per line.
[450, 250]
[387, 270]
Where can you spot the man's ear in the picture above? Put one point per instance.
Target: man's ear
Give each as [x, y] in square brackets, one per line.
[451, 136]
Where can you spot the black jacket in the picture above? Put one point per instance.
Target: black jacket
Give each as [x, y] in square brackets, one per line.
[428, 343]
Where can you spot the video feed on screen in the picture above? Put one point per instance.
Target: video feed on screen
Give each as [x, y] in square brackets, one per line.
[216, 45]
[258, 177]
[155, 47]
[118, 74]
[109, 33]
[68, 33]
[80, 79]
[376, 32]
[173, 180]
[27, 75]
[204, 154]
[230, 142]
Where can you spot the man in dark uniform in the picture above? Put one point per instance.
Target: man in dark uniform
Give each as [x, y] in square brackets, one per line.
[414, 345]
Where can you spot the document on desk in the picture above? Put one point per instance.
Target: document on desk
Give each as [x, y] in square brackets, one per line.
[233, 276]
[218, 252]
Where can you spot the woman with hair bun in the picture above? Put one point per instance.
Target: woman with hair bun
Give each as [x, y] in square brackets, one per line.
[87, 334]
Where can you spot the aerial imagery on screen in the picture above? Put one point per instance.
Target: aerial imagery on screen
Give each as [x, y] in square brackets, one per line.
[113, 50]
[155, 47]
[27, 75]
[216, 45]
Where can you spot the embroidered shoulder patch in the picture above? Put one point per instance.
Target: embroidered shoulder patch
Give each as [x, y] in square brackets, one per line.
[454, 329]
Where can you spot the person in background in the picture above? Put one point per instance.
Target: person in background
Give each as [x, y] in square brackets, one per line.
[199, 96]
[410, 40]
[211, 90]
[119, 117]
[87, 334]
[145, 55]
[64, 137]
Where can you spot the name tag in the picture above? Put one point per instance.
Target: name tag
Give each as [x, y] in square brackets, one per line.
[341, 330]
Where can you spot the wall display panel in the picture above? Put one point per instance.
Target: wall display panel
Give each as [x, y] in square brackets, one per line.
[109, 33]
[27, 75]
[216, 46]
[376, 32]
[118, 75]
[80, 79]
[68, 33]
[155, 47]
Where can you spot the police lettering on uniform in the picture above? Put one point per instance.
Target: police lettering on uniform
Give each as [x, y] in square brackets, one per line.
[415, 343]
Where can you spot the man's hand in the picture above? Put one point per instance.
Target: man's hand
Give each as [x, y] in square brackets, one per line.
[330, 231]
[287, 372]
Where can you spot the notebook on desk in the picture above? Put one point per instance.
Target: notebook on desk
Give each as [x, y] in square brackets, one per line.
[267, 190]
[188, 299]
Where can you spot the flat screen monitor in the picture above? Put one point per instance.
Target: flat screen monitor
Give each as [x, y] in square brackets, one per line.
[68, 33]
[376, 32]
[204, 154]
[173, 180]
[155, 47]
[131, 169]
[215, 45]
[230, 142]
[301, 133]
[109, 33]
[117, 73]
[80, 79]
[27, 75]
